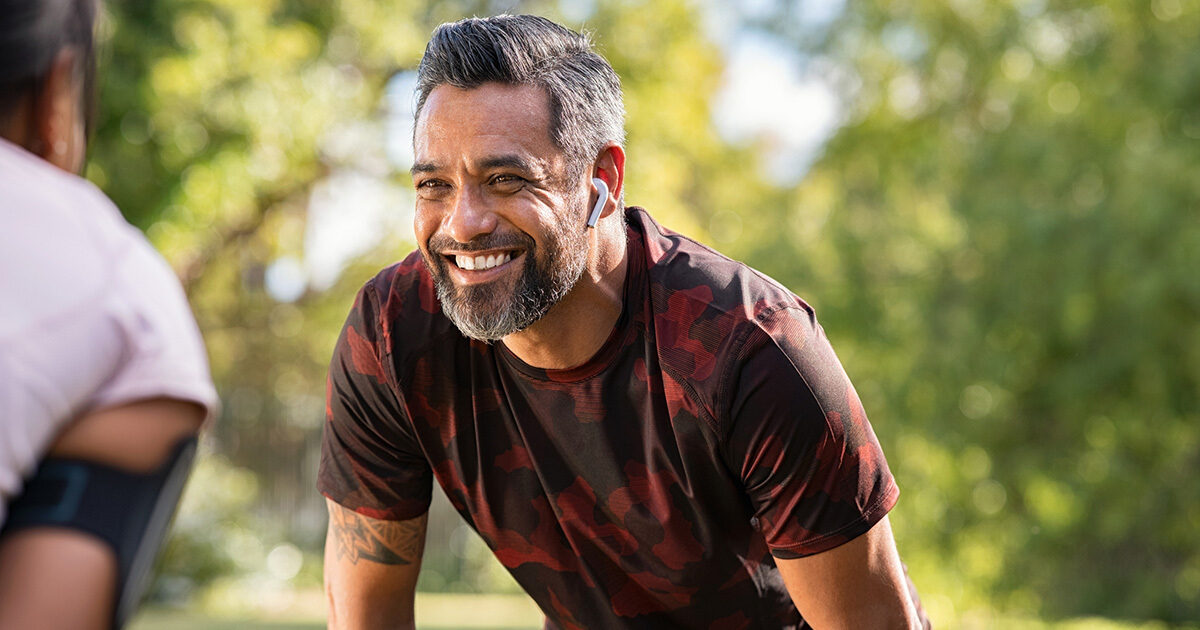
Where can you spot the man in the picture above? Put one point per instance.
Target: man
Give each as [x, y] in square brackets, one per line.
[646, 433]
[103, 376]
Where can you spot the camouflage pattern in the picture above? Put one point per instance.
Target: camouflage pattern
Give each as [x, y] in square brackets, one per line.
[651, 487]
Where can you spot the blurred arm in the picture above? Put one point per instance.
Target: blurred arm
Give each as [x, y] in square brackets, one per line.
[53, 578]
[860, 584]
[371, 569]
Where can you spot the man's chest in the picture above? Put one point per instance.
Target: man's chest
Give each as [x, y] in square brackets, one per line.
[615, 470]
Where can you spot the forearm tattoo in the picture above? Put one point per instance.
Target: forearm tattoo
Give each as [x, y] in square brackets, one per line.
[357, 537]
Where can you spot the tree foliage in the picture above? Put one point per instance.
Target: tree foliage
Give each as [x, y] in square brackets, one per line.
[1004, 243]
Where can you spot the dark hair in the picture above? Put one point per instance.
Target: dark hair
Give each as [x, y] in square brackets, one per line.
[32, 32]
[586, 110]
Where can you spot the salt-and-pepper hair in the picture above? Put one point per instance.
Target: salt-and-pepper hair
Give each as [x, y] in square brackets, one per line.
[586, 108]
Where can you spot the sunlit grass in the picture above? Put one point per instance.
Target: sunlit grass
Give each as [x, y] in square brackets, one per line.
[450, 611]
[305, 610]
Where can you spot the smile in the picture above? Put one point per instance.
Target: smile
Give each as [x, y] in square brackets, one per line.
[481, 262]
[474, 268]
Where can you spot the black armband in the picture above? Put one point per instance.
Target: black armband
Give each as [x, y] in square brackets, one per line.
[129, 511]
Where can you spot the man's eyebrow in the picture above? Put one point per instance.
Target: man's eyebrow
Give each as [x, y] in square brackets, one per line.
[511, 161]
[532, 167]
[506, 161]
[423, 167]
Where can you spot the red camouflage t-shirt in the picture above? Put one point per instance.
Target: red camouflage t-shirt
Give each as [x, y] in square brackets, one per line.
[647, 488]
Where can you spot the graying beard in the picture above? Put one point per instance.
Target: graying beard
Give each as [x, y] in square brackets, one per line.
[533, 296]
[477, 321]
[531, 300]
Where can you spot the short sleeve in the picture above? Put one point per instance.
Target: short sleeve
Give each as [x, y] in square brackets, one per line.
[370, 461]
[95, 318]
[164, 354]
[801, 442]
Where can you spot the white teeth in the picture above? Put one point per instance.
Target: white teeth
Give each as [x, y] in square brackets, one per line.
[482, 262]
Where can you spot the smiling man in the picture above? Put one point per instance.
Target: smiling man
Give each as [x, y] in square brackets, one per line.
[646, 433]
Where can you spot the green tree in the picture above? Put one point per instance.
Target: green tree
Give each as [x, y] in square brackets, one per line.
[1004, 243]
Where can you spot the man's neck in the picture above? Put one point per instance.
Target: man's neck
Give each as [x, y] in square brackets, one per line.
[575, 328]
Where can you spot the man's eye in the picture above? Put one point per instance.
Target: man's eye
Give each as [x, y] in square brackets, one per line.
[507, 182]
[432, 189]
[431, 185]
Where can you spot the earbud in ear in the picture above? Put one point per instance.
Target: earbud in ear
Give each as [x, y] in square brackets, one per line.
[602, 188]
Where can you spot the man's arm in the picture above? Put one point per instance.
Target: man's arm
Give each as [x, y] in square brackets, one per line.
[860, 584]
[58, 578]
[371, 569]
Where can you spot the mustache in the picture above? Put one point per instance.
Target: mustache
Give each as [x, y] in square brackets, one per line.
[512, 240]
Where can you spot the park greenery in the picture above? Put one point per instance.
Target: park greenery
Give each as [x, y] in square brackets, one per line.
[1002, 240]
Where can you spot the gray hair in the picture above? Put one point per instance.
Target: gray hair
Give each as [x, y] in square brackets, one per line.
[586, 109]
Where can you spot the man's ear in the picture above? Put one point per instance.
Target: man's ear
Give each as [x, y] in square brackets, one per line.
[57, 114]
[610, 167]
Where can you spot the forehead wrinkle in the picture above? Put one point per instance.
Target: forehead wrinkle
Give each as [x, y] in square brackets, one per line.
[491, 126]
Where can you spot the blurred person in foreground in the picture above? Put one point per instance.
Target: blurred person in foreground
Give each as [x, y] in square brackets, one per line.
[103, 376]
[646, 433]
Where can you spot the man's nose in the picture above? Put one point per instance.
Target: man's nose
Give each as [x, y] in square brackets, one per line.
[470, 216]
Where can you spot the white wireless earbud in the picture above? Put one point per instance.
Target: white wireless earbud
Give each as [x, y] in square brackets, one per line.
[600, 201]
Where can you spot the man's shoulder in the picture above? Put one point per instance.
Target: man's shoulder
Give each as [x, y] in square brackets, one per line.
[402, 284]
[690, 283]
[402, 303]
[707, 312]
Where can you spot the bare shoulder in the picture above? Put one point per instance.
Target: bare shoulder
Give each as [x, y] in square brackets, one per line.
[355, 537]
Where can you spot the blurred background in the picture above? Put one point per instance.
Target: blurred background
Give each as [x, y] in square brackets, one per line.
[994, 207]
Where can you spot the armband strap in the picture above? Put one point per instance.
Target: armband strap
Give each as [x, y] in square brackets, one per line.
[129, 511]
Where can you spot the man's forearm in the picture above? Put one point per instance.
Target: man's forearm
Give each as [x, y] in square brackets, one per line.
[860, 584]
[371, 569]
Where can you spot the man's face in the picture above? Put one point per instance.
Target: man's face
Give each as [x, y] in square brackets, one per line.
[499, 222]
